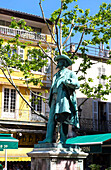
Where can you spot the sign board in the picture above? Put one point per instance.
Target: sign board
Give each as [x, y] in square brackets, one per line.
[91, 148]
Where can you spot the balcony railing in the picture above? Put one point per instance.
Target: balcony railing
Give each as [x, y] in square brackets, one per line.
[90, 125]
[20, 114]
[91, 51]
[23, 33]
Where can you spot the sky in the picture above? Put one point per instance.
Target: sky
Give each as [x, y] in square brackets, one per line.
[32, 6]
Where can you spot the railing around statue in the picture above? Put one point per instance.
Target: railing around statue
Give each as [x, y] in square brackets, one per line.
[95, 125]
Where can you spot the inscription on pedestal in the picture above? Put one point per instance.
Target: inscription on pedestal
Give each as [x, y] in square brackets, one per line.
[57, 157]
[67, 164]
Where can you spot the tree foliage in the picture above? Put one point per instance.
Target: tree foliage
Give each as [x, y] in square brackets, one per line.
[92, 31]
[68, 22]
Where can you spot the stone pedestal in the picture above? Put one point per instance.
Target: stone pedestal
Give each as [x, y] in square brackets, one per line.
[57, 157]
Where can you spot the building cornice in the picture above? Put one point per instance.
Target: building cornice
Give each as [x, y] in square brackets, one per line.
[24, 15]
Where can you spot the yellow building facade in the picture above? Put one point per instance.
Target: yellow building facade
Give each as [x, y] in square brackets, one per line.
[15, 115]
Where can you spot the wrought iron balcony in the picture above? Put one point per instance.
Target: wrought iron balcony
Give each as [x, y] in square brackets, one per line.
[90, 125]
[91, 50]
[23, 33]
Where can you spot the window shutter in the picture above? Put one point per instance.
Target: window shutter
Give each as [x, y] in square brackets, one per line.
[108, 115]
[21, 52]
[29, 57]
[95, 114]
[101, 71]
[47, 69]
[99, 74]
[108, 110]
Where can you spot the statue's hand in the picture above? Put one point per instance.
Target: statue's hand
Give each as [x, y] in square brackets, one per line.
[69, 83]
[66, 82]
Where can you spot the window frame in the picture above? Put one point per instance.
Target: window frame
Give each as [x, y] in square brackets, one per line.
[13, 115]
[19, 53]
[101, 71]
[43, 104]
[36, 72]
[36, 105]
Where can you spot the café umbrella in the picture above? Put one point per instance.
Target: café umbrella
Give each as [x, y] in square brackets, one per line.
[7, 142]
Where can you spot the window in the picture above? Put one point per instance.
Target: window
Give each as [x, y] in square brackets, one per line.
[20, 51]
[47, 69]
[9, 100]
[12, 53]
[101, 71]
[35, 29]
[30, 58]
[4, 23]
[36, 103]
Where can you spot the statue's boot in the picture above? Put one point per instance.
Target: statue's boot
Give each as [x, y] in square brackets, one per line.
[63, 133]
[51, 125]
[45, 141]
[50, 132]
[49, 137]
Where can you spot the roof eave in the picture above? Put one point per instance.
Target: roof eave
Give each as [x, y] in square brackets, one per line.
[23, 15]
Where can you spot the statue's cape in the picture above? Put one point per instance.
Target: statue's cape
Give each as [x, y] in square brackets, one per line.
[66, 97]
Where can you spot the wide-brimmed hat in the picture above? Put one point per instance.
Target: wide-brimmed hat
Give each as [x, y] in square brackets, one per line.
[64, 57]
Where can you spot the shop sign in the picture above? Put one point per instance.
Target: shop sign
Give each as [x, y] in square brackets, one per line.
[8, 145]
[29, 139]
[91, 148]
[86, 149]
[3, 147]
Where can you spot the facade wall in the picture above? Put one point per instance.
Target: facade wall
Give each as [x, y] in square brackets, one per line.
[94, 108]
[86, 108]
[23, 112]
[93, 73]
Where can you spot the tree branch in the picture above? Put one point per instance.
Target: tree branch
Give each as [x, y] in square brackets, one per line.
[56, 21]
[49, 47]
[46, 53]
[82, 104]
[57, 39]
[84, 26]
[78, 70]
[35, 93]
[47, 22]
[78, 46]
[72, 25]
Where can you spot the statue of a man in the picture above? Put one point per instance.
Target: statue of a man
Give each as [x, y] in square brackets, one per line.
[62, 100]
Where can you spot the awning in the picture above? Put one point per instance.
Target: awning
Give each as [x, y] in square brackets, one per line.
[92, 143]
[19, 154]
[8, 142]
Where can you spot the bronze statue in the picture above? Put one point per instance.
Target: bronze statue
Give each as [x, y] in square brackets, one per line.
[62, 100]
